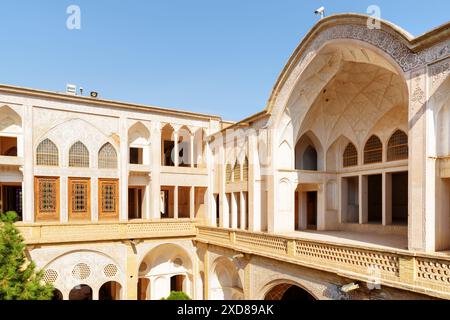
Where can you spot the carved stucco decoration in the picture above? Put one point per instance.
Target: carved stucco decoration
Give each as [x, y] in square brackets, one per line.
[386, 41]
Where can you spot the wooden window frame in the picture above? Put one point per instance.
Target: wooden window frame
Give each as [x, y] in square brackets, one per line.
[108, 216]
[76, 216]
[44, 216]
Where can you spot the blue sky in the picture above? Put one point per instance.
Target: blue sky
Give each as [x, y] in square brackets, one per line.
[213, 56]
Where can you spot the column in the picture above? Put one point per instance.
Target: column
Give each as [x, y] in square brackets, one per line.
[243, 210]
[387, 199]
[176, 149]
[155, 180]
[147, 213]
[123, 194]
[28, 168]
[192, 202]
[63, 200]
[191, 148]
[254, 188]
[422, 165]
[175, 202]
[363, 194]
[234, 211]
[94, 199]
[206, 274]
[132, 272]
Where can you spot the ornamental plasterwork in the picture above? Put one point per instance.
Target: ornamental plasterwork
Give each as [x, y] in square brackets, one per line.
[418, 96]
[438, 73]
[385, 41]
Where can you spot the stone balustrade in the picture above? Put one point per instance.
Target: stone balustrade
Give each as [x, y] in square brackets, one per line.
[418, 272]
[50, 233]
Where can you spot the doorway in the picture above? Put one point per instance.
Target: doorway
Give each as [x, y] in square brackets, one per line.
[11, 199]
[135, 203]
[375, 198]
[400, 198]
[176, 283]
[311, 210]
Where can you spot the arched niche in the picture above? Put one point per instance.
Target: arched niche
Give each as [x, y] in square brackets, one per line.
[225, 283]
[160, 265]
[139, 144]
[308, 153]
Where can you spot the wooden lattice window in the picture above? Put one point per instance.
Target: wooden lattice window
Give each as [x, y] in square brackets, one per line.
[398, 146]
[245, 170]
[78, 156]
[373, 151]
[47, 198]
[228, 173]
[237, 172]
[350, 156]
[79, 199]
[107, 157]
[108, 196]
[47, 154]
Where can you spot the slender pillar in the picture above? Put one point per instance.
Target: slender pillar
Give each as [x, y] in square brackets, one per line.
[155, 182]
[176, 149]
[243, 210]
[191, 148]
[63, 200]
[175, 202]
[234, 211]
[94, 199]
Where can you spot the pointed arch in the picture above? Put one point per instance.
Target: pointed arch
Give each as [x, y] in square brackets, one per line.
[167, 145]
[308, 153]
[398, 146]
[350, 156]
[107, 157]
[138, 134]
[373, 150]
[78, 155]
[10, 120]
[47, 154]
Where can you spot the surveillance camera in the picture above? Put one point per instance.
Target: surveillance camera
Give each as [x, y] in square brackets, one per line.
[320, 10]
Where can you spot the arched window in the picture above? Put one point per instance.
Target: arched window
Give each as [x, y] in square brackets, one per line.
[107, 157]
[228, 173]
[373, 151]
[310, 159]
[78, 156]
[47, 154]
[237, 171]
[245, 170]
[398, 146]
[350, 156]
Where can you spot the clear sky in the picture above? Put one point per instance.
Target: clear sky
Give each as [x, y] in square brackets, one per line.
[214, 56]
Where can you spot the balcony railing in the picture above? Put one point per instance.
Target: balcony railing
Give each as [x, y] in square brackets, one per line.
[11, 161]
[103, 231]
[418, 272]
